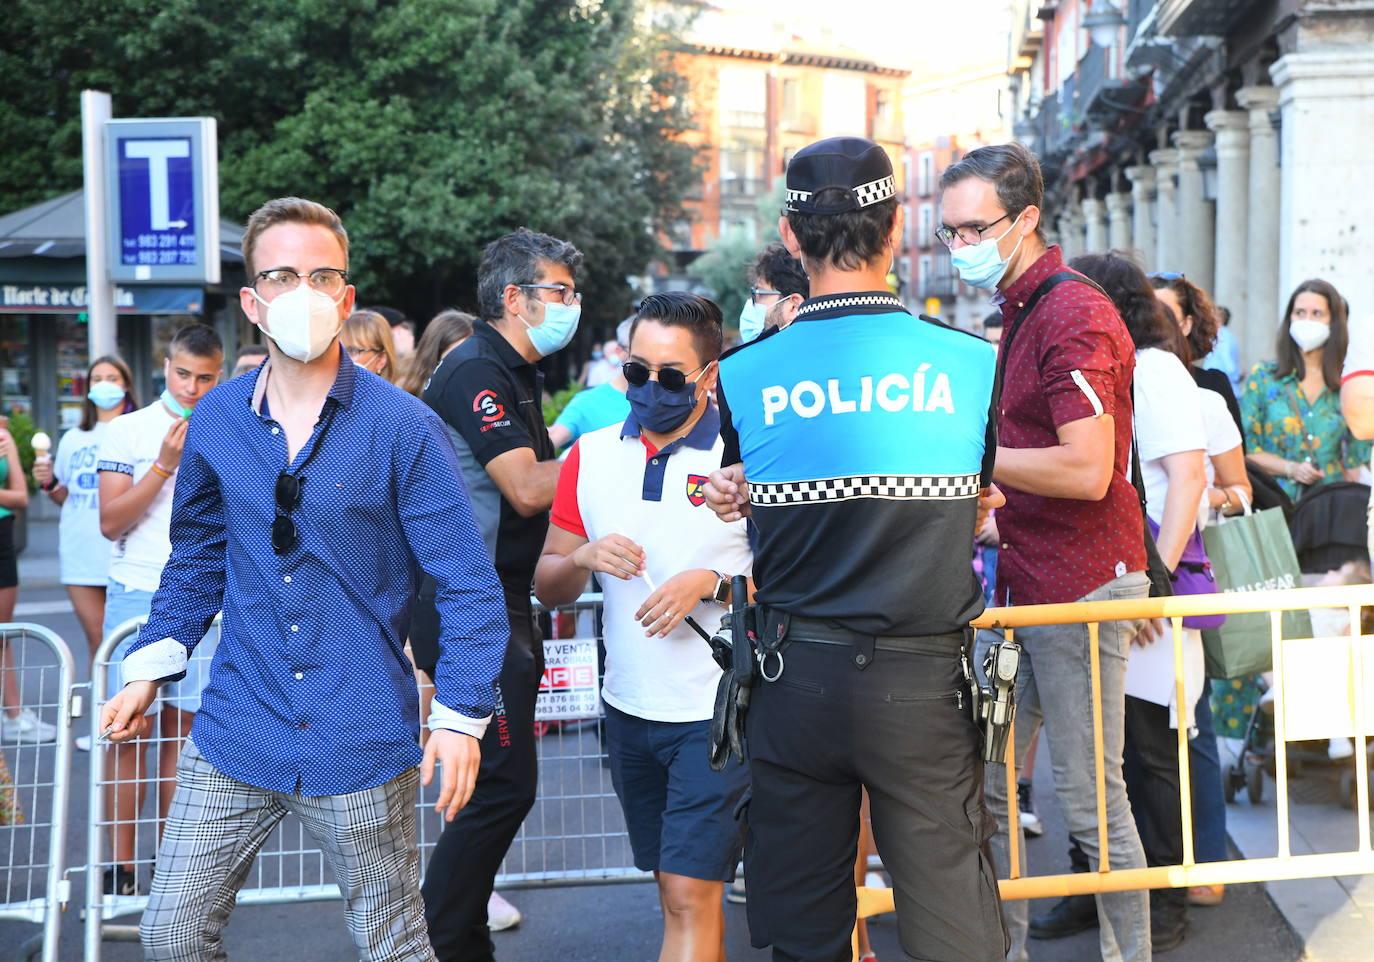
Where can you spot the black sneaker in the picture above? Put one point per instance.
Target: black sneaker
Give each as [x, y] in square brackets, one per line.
[1030, 822]
[120, 881]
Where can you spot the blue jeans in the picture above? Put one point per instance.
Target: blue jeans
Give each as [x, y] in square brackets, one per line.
[1209, 802]
[1054, 688]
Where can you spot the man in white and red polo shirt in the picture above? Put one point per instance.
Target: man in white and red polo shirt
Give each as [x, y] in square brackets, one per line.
[631, 506]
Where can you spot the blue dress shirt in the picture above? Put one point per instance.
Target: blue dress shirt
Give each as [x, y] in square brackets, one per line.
[310, 690]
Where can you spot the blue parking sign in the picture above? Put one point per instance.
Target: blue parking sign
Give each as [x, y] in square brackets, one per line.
[164, 204]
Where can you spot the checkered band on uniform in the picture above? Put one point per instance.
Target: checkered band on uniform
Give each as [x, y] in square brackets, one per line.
[874, 192]
[838, 302]
[893, 487]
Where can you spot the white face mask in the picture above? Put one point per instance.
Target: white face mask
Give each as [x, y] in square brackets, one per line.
[1309, 335]
[303, 322]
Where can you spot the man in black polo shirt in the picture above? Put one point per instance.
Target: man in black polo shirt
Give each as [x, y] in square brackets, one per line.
[488, 391]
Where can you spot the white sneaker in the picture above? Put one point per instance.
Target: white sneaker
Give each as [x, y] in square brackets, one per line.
[501, 915]
[735, 893]
[26, 727]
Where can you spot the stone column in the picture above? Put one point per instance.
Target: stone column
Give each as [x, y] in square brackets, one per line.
[1119, 222]
[1071, 231]
[1166, 210]
[1326, 170]
[1142, 178]
[1196, 214]
[1255, 330]
[1232, 129]
[1094, 225]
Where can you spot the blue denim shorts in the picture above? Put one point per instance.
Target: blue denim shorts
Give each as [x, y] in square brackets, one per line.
[123, 603]
[681, 816]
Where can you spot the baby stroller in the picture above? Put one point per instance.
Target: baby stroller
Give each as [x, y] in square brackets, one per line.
[1330, 530]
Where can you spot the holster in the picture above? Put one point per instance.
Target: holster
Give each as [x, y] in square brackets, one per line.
[733, 648]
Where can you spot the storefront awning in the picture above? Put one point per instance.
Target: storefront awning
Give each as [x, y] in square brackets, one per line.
[71, 299]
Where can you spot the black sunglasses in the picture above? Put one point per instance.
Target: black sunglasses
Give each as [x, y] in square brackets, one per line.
[285, 534]
[290, 487]
[670, 377]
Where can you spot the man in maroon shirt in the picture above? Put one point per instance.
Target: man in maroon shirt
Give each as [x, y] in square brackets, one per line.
[1071, 527]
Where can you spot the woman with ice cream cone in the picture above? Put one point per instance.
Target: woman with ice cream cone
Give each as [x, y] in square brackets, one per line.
[71, 480]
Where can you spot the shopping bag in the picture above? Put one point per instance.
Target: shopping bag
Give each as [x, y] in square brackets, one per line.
[1251, 552]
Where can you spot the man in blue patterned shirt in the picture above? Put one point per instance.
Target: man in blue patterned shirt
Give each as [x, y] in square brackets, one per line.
[312, 494]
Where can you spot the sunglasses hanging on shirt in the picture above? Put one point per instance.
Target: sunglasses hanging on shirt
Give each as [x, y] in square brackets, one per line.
[289, 491]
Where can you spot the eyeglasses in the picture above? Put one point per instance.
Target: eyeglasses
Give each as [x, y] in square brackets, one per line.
[285, 534]
[567, 295]
[360, 351]
[670, 377]
[279, 280]
[756, 292]
[968, 234]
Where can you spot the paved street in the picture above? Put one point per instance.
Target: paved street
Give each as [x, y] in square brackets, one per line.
[612, 922]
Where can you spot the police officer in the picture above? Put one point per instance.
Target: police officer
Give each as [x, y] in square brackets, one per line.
[854, 439]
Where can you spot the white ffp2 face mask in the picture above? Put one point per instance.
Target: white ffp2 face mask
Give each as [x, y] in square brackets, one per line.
[1309, 335]
[303, 322]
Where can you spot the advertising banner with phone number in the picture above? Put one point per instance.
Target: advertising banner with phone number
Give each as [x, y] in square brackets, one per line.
[569, 687]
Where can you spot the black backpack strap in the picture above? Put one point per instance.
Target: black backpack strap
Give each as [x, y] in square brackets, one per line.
[990, 437]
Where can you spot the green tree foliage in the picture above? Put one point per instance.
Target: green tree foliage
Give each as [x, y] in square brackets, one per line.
[432, 126]
[724, 267]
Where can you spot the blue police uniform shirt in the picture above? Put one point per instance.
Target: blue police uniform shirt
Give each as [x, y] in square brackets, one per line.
[862, 430]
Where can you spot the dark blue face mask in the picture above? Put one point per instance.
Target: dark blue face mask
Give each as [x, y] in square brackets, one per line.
[658, 409]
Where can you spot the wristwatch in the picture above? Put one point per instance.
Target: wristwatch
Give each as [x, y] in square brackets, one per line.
[50, 486]
[722, 593]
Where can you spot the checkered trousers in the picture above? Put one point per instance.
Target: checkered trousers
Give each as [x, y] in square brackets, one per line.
[216, 827]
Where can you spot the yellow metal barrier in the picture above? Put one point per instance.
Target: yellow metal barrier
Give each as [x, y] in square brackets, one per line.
[1328, 666]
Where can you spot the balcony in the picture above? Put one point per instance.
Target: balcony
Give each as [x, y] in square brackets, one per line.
[743, 119]
[1199, 18]
[1090, 77]
[941, 286]
[736, 187]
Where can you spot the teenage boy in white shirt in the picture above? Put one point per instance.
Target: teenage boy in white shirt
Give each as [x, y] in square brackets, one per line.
[138, 465]
[631, 506]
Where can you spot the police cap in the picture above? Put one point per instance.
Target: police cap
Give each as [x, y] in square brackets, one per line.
[854, 165]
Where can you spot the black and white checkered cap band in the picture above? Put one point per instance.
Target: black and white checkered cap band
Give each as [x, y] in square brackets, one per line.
[874, 192]
[858, 300]
[893, 487]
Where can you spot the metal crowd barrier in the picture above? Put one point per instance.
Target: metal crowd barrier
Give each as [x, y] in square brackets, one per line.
[1323, 688]
[575, 834]
[36, 673]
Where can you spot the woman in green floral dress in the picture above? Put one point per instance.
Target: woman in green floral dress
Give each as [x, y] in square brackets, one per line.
[1292, 406]
[1294, 431]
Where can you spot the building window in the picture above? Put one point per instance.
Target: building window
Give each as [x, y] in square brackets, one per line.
[927, 225]
[924, 275]
[925, 174]
[742, 97]
[791, 104]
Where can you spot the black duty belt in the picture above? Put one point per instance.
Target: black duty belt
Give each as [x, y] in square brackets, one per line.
[821, 632]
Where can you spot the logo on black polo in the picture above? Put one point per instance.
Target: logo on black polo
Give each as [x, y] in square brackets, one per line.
[696, 489]
[486, 405]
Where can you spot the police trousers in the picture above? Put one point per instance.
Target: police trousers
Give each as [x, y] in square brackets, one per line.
[899, 724]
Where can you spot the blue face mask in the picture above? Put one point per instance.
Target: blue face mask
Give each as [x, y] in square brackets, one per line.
[658, 409]
[751, 320]
[174, 405]
[560, 324]
[106, 395]
[982, 265]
